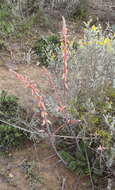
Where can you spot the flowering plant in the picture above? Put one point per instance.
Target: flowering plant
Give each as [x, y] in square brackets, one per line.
[79, 82]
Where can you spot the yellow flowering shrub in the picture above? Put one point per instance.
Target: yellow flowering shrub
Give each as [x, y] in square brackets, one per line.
[96, 53]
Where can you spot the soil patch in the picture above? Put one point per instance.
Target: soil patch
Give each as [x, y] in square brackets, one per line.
[51, 174]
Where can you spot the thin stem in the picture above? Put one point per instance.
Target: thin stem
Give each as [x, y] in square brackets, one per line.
[89, 169]
[42, 133]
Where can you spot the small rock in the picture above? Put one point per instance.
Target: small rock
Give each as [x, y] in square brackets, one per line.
[11, 175]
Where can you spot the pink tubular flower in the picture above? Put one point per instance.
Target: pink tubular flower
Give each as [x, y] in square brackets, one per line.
[101, 148]
[73, 121]
[61, 108]
[65, 53]
[36, 92]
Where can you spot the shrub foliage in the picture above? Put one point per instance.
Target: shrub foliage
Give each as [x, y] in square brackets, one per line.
[10, 113]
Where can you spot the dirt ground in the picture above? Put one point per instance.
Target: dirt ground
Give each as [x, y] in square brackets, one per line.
[49, 172]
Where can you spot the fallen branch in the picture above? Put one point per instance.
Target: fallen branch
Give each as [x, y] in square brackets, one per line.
[42, 133]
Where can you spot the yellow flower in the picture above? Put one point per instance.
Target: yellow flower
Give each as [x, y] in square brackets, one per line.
[94, 28]
[53, 56]
[85, 43]
[106, 41]
[96, 42]
[101, 43]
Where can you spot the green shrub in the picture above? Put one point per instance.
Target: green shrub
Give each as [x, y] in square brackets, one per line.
[81, 11]
[10, 137]
[46, 47]
[97, 128]
[10, 109]
[76, 161]
[27, 24]
[2, 44]
[8, 105]
[12, 113]
[6, 20]
[49, 50]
